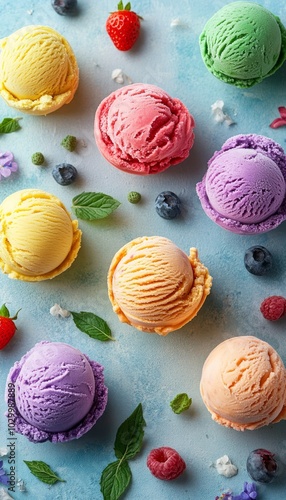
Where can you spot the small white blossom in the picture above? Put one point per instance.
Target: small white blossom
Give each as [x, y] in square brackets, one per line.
[177, 22]
[56, 310]
[21, 485]
[218, 113]
[3, 451]
[119, 77]
[224, 467]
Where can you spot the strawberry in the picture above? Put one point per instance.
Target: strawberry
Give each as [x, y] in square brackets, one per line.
[123, 26]
[7, 326]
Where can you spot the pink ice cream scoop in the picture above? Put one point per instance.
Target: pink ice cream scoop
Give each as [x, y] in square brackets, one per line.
[57, 393]
[244, 188]
[141, 130]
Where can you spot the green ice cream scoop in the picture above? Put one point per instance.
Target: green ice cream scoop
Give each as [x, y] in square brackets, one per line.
[243, 43]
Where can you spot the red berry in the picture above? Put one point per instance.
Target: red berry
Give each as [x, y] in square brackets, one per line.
[7, 326]
[123, 27]
[165, 463]
[273, 307]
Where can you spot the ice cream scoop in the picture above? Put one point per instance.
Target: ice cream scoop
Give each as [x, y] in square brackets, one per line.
[141, 130]
[38, 70]
[38, 238]
[56, 393]
[155, 287]
[243, 384]
[243, 43]
[244, 188]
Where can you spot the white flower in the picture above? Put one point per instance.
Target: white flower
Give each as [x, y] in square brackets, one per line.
[224, 467]
[56, 310]
[119, 77]
[21, 485]
[219, 115]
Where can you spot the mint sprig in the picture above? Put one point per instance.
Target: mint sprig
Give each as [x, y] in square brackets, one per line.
[181, 403]
[92, 325]
[9, 125]
[130, 435]
[115, 479]
[128, 442]
[92, 206]
[43, 472]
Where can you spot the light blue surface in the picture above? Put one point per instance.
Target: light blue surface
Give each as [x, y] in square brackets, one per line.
[141, 367]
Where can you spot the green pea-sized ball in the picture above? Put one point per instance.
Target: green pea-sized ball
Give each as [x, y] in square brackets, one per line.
[38, 158]
[134, 197]
[69, 142]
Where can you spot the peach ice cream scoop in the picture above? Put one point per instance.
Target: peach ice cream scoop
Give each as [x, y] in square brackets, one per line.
[155, 287]
[141, 130]
[243, 384]
[38, 238]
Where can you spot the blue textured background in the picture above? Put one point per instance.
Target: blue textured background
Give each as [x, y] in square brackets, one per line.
[141, 367]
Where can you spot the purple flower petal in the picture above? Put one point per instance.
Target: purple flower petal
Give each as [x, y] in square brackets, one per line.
[7, 164]
[5, 172]
[14, 166]
[7, 156]
[4, 479]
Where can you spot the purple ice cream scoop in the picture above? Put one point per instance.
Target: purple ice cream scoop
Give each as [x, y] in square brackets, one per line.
[55, 393]
[244, 188]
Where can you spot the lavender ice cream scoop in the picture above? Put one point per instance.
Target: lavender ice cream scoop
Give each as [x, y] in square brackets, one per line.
[56, 393]
[244, 188]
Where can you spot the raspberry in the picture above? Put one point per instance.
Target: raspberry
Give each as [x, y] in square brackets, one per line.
[165, 463]
[273, 307]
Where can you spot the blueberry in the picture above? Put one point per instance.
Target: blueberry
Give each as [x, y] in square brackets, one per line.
[262, 466]
[64, 174]
[168, 205]
[258, 260]
[64, 7]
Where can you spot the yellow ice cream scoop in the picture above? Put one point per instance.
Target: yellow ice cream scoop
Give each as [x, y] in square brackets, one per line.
[38, 70]
[38, 238]
[155, 287]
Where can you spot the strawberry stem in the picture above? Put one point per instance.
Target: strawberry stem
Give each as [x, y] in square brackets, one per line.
[16, 315]
[4, 312]
[120, 6]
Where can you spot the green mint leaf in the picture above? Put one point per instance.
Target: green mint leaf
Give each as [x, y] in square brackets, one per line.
[181, 403]
[130, 435]
[128, 6]
[91, 206]
[92, 325]
[43, 472]
[9, 125]
[114, 479]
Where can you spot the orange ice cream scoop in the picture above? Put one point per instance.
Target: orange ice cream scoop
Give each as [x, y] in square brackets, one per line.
[155, 287]
[38, 70]
[243, 384]
[38, 238]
